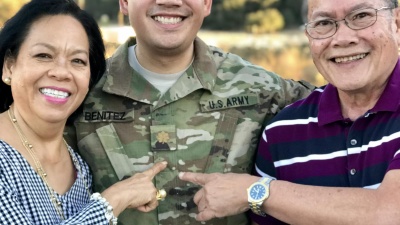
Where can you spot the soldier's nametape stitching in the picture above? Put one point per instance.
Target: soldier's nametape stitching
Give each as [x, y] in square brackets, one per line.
[104, 115]
[232, 101]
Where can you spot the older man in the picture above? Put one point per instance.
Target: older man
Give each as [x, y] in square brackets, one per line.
[334, 155]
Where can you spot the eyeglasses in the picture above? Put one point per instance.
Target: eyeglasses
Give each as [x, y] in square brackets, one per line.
[356, 20]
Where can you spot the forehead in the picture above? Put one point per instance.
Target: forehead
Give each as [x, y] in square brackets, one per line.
[58, 29]
[50, 22]
[339, 7]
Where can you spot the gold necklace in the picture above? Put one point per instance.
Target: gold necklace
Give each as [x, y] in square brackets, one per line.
[29, 147]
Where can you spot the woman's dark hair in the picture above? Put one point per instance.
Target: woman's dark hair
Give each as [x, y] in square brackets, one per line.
[17, 28]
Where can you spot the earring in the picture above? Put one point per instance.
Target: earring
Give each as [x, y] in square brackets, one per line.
[7, 81]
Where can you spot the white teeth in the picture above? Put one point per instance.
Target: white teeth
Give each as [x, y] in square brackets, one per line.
[350, 58]
[54, 93]
[168, 20]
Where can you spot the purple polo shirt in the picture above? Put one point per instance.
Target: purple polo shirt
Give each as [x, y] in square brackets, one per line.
[309, 142]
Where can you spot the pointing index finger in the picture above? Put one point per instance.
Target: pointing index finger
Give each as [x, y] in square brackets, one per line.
[155, 169]
[197, 178]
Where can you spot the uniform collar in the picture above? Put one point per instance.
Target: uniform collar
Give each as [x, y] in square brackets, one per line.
[202, 75]
[329, 109]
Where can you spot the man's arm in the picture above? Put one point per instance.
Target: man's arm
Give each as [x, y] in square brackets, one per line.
[295, 90]
[225, 194]
[304, 204]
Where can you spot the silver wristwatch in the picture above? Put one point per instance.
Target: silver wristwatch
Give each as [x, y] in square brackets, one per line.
[257, 193]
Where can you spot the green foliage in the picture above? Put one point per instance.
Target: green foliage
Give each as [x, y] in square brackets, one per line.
[233, 4]
[256, 16]
[267, 3]
[264, 21]
[262, 17]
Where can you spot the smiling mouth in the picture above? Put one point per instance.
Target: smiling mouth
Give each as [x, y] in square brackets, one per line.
[349, 58]
[168, 20]
[54, 93]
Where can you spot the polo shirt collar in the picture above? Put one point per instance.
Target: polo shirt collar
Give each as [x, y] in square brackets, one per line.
[329, 109]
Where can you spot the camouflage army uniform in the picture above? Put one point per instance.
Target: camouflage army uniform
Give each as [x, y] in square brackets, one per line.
[209, 121]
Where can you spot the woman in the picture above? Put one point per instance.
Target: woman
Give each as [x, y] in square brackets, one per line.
[51, 53]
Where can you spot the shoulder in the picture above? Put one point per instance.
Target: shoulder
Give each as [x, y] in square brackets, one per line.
[79, 159]
[233, 68]
[5, 152]
[12, 167]
[230, 62]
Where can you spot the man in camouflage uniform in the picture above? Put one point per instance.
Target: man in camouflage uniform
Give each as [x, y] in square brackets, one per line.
[209, 120]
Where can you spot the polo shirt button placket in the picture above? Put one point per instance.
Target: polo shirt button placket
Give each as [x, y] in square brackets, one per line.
[353, 142]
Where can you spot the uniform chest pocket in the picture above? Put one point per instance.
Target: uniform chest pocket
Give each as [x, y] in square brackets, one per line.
[103, 151]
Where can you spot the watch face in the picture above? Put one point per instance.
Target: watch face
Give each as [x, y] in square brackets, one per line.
[257, 192]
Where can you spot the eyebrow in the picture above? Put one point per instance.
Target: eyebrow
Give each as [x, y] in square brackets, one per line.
[51, 47]
[330, 14]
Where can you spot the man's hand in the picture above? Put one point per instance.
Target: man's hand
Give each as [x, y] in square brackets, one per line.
[221, 194]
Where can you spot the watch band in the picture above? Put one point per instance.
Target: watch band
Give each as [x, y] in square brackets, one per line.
[255, 206]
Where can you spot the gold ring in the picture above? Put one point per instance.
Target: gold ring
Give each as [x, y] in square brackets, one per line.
[161, 194]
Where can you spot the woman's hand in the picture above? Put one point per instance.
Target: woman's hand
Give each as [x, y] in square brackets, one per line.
[137, 191]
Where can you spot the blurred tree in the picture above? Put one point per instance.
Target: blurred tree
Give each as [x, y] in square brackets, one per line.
[8, 8]
[263, 17]
[292, 12]
[81, 3]
[104, 11]
[226, 15]
[257, 16]
[264, 21]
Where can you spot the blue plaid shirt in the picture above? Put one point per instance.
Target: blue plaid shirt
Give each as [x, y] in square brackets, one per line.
[24, 198]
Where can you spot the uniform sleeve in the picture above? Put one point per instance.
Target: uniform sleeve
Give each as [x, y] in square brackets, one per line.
[295, 90]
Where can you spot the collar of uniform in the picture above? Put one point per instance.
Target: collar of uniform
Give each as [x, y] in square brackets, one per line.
[329, 109]
[203, 64]
[120, 84]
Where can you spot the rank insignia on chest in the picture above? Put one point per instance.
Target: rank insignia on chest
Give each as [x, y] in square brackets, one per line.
[163, 137]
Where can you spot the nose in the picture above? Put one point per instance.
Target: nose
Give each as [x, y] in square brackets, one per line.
[60, 70]
[170, 2]
[344, 35]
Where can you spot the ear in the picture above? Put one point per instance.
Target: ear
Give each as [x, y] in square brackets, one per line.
[123, 7]
[207, 7]
[7, 67]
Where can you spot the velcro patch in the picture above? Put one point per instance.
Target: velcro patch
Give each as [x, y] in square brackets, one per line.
[163, 137]
[229, 102]
[109, 116]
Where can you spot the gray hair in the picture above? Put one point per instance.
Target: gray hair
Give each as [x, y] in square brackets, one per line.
[304, 8]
